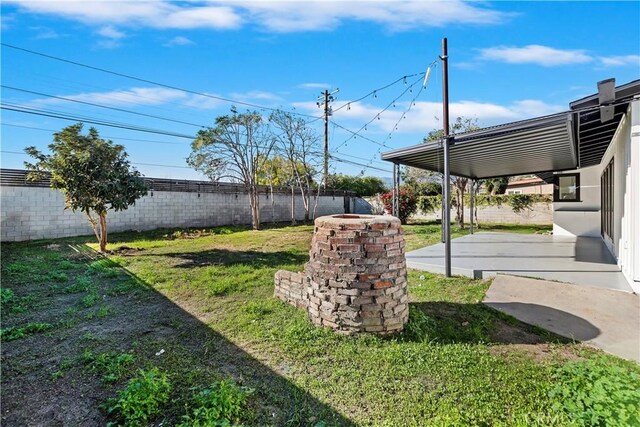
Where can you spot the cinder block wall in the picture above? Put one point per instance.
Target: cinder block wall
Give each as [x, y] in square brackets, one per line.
[28, 213]
[541, 213]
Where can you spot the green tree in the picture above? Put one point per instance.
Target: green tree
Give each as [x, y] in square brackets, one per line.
[461, 125]
[93, 174]
[496, 185]
[237, 149]
[361, 185]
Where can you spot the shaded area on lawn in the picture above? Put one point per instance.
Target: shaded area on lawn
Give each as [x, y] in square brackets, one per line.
[228, 257]
[143, 324]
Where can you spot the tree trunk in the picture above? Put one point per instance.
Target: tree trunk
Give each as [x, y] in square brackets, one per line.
[103, 232]
[293, 205]
[254, 202]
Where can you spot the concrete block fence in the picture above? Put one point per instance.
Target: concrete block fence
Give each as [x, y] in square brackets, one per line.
[28, 213]
[540, 213]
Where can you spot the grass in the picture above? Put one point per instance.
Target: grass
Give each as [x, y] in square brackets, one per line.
[195, 318]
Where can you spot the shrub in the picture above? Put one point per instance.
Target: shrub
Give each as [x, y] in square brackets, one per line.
[408, 203]
[141, 399]
[595, 393]
[221, 404]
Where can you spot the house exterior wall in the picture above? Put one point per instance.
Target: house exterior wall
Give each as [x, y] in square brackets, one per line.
[583, 218]
[29, 213]
[580, 218]
[532, 189]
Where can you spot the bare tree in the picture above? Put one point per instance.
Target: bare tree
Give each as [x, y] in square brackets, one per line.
[459, 183]
[300, 145]
[235, 149]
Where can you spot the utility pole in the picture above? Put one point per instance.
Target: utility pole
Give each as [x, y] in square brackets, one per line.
[446, 219]
[326, 97]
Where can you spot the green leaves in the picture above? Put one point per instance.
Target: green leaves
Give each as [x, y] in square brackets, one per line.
[142, 398]
[92, 173]
[596, 393]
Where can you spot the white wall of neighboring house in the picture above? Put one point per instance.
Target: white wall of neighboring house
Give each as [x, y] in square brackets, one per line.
[583, 218]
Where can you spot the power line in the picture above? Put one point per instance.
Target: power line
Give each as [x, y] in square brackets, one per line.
[375, 91]
[341, 160]
[65, 116]
[127, 76]
[104, 136]
[133, 163]
[377, 116]
[101, 106]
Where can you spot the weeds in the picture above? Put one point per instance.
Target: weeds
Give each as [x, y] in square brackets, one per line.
[112, 366]
[221, 404]
[594, 393]
[17, 332]
[81, 284]
[90, 299]
[142, 399]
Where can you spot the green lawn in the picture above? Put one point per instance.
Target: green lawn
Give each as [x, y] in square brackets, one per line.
[179, 326]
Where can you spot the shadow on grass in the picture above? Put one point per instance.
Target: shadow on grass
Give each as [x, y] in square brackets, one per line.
[448, 323]
[226, 257]
[162, 334]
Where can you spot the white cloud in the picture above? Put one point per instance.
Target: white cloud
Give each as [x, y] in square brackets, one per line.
[138, 96]
[256, 95]
[155, 14]
[535, 54]
[314, 85]
[44, 33]
[618, 61]
[178, 41]
[275, 16]
[111, 33]
[424, 116]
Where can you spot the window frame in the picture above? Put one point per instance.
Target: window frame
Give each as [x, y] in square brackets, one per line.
[556, 187]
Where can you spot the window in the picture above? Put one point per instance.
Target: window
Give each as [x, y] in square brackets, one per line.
[514, 192]
[567, 188]
[606, 201]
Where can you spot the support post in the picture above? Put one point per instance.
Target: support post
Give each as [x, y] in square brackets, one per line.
[472, 204]
[394, 206]
[446, 220]
[397, 185]
[326, 138]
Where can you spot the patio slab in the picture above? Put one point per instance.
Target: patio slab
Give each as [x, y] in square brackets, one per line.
[607, 319]
[578, 260]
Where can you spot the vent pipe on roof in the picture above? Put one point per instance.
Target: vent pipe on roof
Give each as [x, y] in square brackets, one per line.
[606, 97]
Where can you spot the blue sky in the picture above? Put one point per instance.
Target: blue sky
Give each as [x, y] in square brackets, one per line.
[508, 61]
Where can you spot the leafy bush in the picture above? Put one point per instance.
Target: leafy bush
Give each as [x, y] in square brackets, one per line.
[221, 404]
[142, 398]
[361, 185]
[408, 203]
[16, 332]
[595, 393]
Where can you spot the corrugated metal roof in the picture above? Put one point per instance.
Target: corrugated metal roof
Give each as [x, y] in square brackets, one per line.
[529, 146]
[562, 141]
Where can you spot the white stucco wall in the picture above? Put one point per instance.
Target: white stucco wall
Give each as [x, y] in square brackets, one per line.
[583, 218]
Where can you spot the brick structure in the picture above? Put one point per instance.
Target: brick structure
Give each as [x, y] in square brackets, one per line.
[356, 277]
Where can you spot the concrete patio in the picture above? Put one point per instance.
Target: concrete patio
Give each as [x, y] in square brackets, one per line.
[581, 260]
[603, 318]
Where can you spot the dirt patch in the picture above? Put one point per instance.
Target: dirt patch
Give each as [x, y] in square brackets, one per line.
[540, 352]
[126, 251]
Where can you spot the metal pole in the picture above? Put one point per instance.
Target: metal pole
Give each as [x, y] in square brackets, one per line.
[397, 177]
[394, 207]
[446, 220]
[473, 199]
[326, 138]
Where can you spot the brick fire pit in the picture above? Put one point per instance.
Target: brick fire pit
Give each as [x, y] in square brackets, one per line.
[356, 278]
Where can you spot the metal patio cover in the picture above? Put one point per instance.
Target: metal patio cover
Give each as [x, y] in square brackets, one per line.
[537, 145]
